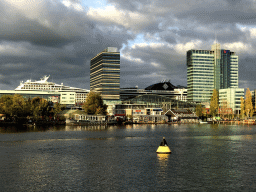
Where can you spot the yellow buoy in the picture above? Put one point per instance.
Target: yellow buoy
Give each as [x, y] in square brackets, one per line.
[163, 148]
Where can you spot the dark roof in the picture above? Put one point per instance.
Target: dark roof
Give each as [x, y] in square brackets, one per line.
[181, 86]
[180, 113]
[161, 86]
[184, 111]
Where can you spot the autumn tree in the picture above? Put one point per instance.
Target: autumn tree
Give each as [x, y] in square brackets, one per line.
[225, 109]
[94, 104]
[242, 111]
[199, 110]
[214, 104]
[248, 103]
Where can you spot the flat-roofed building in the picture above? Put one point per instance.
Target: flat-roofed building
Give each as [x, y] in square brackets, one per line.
[210, 69]
[105, 74]
[231, 97]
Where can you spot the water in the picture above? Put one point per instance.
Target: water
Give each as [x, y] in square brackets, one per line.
[204, 158]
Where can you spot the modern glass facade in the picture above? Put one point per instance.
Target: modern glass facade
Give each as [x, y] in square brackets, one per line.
[200, 75]
[210, 69]
[105, 74]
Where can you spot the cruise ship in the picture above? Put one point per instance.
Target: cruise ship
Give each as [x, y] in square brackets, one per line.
[69, 95]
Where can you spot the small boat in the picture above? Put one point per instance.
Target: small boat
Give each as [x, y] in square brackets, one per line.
[203, 122]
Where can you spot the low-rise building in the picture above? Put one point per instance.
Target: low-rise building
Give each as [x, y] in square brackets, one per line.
[182, 115]
[81, 116]
[164, 89]
[136, 109]
[232, 98]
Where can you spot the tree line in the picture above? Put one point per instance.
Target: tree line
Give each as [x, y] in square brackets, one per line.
[16, 106]
[223, 109]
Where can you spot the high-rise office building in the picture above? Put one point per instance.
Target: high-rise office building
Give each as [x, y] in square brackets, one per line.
[210, 69]
[105, 74]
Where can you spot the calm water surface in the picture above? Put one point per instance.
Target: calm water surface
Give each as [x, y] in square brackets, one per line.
[123, 158]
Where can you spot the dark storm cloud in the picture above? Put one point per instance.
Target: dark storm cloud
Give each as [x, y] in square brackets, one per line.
[247, 71]
[186, 21]
[226, 34]
[52, 25]
[229, 11]
[47, 38]
[159, 63]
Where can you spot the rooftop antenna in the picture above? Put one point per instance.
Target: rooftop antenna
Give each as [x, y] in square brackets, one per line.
[215, 38]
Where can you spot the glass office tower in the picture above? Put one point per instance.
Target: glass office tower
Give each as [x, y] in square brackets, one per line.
[105, 74]
[210, 69]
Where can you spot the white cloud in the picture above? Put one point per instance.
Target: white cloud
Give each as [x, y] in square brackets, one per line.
[182, 48]
[31, 9]
[237, 46]
[127, 19]
[130, 58]
[73, 5]
[253, 32]
[155, 64]
[151, 45]
[246, 29]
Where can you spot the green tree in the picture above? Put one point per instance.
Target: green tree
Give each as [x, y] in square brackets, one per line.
[56, 109]
[18, 106]
[214, 104]
[242, 111]
[6, 102]
[39, 107]
[248, 103]
[94, 104]
[27, 108]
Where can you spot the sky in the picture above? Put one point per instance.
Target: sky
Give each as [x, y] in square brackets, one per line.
[59, 37]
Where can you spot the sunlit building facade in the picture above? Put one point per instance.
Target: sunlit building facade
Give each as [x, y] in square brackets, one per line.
[231, 97]
[210, 69]
[68, 95]
[105, 74]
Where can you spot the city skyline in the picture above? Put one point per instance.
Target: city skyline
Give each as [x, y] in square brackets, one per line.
[210, 69]
[59, 38]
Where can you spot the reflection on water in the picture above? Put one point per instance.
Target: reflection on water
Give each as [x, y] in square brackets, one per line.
[162, 171]
[87, 127]
[124, 158]
[163, 157]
